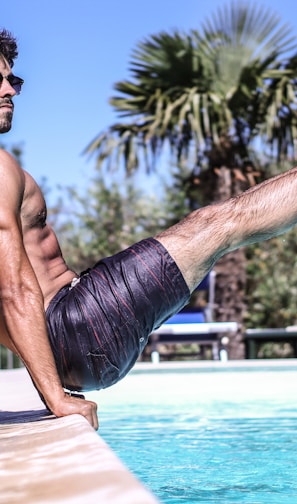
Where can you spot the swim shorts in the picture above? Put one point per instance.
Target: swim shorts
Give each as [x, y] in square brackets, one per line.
[99, 327]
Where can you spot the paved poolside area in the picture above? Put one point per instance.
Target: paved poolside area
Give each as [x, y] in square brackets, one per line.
[49, 460]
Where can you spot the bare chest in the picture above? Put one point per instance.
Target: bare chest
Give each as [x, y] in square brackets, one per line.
[33, 210]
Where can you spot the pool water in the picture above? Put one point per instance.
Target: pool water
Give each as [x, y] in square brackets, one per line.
[207, 435]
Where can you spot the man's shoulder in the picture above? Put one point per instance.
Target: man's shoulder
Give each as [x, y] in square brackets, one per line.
[5, 155]
[12, 178]
[8, 161]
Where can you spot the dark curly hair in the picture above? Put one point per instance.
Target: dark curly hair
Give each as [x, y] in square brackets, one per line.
[8, 46]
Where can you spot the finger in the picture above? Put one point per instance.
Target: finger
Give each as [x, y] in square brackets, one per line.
[95, 417]
[96, 422]
[91, 414]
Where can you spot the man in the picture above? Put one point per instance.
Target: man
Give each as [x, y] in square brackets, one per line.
[85, 332]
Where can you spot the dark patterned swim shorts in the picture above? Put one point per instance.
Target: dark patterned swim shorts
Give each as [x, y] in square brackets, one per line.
[99, 327]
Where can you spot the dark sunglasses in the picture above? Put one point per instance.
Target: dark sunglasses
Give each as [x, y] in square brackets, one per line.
[15, 82]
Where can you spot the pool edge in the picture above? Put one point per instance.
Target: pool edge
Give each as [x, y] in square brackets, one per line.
[57, 459]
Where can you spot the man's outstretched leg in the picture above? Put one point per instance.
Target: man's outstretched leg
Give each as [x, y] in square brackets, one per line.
[264, 211]
[99, 327]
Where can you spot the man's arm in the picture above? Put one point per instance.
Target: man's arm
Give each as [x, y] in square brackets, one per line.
[21, 301]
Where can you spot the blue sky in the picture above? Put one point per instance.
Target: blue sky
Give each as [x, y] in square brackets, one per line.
[71, 52]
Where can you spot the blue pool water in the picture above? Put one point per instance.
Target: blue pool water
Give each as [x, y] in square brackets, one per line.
[207, 437]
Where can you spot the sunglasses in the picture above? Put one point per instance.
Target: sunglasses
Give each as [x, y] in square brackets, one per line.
[15, 82]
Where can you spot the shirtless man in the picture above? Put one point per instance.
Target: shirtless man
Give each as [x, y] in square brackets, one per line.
[86, 332]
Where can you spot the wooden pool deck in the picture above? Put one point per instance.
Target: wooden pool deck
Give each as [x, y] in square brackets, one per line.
[49, 460]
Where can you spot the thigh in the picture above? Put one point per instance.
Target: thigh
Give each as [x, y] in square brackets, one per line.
[197, 242]
[99, 327]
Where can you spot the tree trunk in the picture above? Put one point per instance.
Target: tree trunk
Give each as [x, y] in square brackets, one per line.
[231, 269]
[229, 297]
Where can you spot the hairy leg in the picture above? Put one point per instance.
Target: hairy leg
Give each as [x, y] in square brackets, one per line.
[264, 211]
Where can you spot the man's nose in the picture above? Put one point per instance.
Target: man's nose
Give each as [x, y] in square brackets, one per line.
[6, 89]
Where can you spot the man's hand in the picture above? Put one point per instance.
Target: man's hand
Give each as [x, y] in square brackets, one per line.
[71, 405]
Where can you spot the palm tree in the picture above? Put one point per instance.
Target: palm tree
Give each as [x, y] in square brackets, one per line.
[217, 97]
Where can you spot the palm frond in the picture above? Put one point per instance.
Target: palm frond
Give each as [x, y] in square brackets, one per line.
[235, 77]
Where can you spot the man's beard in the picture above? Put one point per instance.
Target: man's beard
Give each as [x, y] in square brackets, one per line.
[5, 115]
[5, 121]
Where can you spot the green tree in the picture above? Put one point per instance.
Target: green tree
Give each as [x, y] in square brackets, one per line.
[272, 282]
[106, 218]
[215, 97]
[271, 289]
